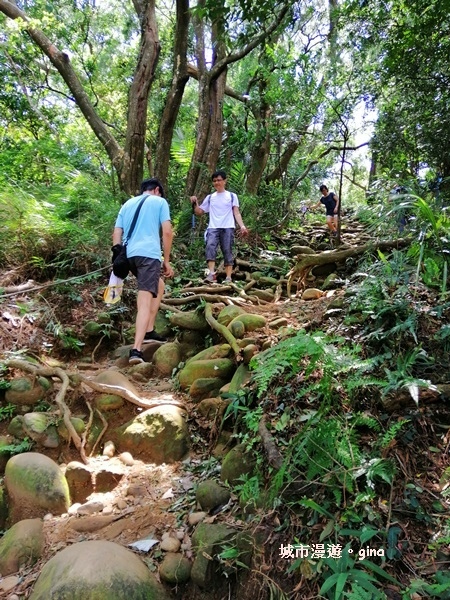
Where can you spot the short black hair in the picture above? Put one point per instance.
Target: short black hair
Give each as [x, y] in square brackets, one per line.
[323, 187]
[219, 173]
[151, 184]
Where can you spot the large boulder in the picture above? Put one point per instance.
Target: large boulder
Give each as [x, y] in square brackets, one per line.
[221, 368]
[194, 320]
[228, 313]
[207, 387]
[158, 435]
[236, 463]
[210, 495]
[175, 568]
[27, 391]
[167, 358]
[208, 541]
[97, 570]
[217, 351]
[35, 486]
[21, 546]
[251, 322]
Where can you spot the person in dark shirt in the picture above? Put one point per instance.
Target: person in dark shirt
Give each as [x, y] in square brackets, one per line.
[331, 203]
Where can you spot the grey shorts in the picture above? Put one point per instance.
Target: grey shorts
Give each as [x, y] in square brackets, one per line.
[224, 237]
[147, 272]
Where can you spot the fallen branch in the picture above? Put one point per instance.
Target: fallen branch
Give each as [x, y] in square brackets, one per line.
[274, 456]
[301, 269]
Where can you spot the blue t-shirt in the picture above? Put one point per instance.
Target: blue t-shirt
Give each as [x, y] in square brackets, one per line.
[329, 202]
[145, 240]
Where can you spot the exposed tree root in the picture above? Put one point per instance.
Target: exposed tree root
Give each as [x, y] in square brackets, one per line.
[59, 399]
[224, 332]
[67, 380]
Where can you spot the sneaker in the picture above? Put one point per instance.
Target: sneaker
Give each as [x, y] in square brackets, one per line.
[136, 357]
[227, 280]
[152, 336]
[210, 278]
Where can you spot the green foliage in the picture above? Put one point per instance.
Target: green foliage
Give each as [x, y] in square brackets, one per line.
[56, 228]
[23, 446]
[287, 358]
[7, 411]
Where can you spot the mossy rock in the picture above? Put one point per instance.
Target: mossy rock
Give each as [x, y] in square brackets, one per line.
[237, 328]
[98, 570]
[78, 425]
[25, 391]
[267, 281]
[104, 317]
[189, 320]
[208, 540]
[21, 546]
[222, 368]
[15, 427]
[249, 352]
[158, 435]
[236, 463]
[210, 495]
[175, 568]
[166, 358]
[106, 402]
[3, 508]
[207, 387]
[229, 313]
[93, 329]
[301, 250]
[217, 351]
[251, 322]
[35, 486]
[241, 376]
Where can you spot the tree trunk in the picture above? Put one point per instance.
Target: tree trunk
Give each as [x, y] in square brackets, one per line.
[261, 147]
[175, 95]
[130, 175]
[210, 115]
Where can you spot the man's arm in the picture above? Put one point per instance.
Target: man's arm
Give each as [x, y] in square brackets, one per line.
[238, 219]
[117, 236]
[336, 199]
[167, 237]
[195, 207]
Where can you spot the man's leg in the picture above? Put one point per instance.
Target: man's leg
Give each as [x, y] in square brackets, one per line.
[226, 245]
[148, 275]
[212, 241]
[156, 303]
[330, 223]
[144, 306]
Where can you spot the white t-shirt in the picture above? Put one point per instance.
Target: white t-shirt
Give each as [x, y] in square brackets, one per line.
[220, 209]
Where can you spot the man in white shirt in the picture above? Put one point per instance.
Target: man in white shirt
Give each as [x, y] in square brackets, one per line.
[223, 209]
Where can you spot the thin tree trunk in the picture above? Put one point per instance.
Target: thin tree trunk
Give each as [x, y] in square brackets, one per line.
[175, 95]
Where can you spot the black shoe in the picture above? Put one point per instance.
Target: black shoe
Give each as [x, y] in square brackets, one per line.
[136, 357]
[152, 336]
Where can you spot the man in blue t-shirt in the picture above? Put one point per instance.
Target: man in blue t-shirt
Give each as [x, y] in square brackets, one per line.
[144, 255]
[331, 203]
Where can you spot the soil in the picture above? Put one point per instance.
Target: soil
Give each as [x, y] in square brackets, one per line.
[148, 500]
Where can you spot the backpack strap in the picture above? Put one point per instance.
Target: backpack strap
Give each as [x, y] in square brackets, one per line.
[135, 218]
